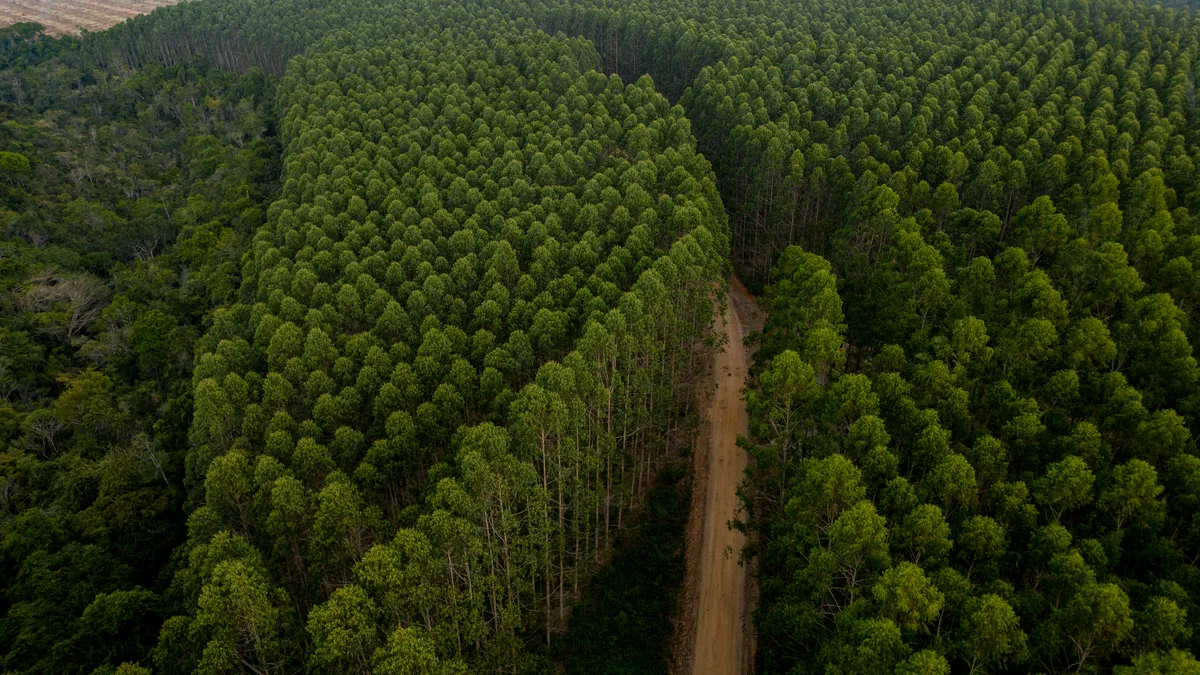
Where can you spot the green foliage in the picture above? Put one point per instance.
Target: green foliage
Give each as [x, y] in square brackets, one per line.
[617, 626]
[442, 374]
[990, 194]
[408, 400]
[108, 278]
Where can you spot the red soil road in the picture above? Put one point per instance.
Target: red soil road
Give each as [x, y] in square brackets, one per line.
[723, 641]
[70, 16]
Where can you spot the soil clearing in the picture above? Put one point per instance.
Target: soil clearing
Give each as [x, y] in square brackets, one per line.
[722, 641]
[71, 16]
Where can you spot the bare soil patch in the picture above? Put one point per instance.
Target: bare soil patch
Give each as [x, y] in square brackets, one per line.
[72, 16]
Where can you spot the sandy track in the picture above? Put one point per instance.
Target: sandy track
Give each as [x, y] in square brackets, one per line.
[722, 642]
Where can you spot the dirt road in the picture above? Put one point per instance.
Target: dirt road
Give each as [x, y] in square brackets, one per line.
[723, 605]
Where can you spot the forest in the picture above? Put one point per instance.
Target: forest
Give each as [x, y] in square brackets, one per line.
[373, 336]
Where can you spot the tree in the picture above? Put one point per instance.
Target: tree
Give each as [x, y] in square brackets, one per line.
[343, 631]
[788, 388]
[868, 645]
[981, 539]
[1133, 494]
[1161, 663]
[826, 487]
[408, 652]
[13, 166]
[924, 662]
[64, 306]
[1066, 485]
[992, 633]
[904, 595]
[1096, 620]
[858, 542]
[925, 534]
[1159, 625]
[952, 481]
[243, 625]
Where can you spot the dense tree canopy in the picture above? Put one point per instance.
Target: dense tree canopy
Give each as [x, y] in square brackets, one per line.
[972, 415]
[122, 229]
[346, 335]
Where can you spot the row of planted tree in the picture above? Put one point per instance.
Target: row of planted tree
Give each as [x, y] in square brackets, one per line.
[466, 338]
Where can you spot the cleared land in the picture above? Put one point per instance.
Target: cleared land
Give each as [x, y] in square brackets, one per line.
[71, 16]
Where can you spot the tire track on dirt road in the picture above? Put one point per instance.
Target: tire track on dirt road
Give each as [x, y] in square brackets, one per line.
[723, 643]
